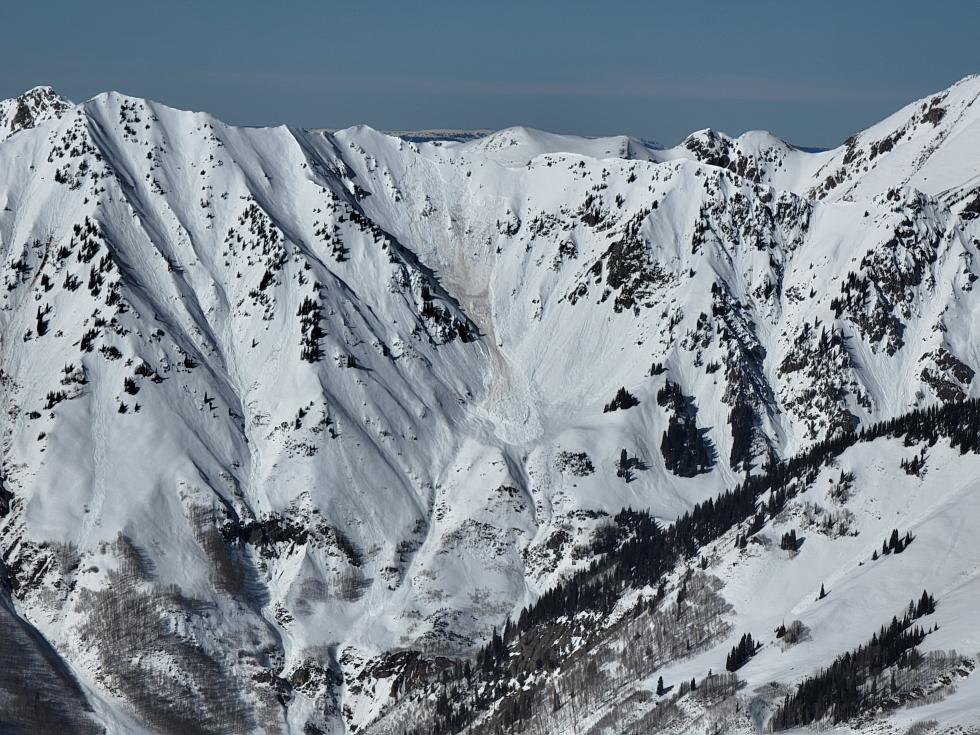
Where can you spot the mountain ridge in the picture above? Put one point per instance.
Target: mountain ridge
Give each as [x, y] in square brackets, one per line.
[322, 399]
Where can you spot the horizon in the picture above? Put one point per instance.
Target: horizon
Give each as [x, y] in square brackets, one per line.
[475, 132]
[652, 73]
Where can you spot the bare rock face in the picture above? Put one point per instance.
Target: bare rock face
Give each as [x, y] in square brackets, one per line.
[32, 108]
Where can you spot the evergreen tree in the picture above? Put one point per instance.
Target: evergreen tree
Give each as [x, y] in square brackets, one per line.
[624, 468]
[926, 605]
[893, 541]
[741, 653]
[788, 541]
[623, 400]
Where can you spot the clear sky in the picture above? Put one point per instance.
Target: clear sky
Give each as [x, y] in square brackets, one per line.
[810, 72]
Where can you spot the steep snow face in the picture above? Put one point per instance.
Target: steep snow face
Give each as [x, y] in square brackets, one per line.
[296, 382]
[928, 145]
[280, 402]
[32, 108]
[571, 262]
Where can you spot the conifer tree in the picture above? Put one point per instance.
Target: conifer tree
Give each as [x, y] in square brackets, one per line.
[926, 605]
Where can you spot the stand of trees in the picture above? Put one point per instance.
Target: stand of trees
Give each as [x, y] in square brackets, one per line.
[741, 653]
[789, 542]
[637, 551]
[623, 400]
[742, 420]
[685, 447]
[895, 543]
[841, 691]
[309, 313]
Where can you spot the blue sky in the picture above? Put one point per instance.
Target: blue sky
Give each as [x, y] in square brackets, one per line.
[810, 72]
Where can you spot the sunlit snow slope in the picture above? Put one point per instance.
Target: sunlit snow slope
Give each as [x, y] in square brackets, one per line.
[278, 403]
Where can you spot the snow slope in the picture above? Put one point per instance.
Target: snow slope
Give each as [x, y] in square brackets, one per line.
[282, 402]
[926, 145]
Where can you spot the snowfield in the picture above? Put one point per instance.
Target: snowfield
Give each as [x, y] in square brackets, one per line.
[295, 419]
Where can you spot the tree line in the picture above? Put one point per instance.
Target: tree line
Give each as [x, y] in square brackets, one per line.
[842, 690]
[636, 551]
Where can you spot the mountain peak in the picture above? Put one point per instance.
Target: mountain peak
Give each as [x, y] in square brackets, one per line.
[33, 107]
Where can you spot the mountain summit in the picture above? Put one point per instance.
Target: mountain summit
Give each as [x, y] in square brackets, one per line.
[32, 108]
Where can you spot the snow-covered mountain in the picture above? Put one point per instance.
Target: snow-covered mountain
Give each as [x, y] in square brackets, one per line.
[295, 418]
[34, 107]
